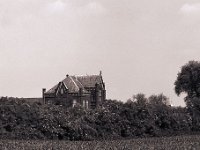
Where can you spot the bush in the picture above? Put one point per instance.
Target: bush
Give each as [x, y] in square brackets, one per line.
[115, 120]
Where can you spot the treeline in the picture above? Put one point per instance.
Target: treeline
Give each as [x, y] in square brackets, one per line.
[138, 117]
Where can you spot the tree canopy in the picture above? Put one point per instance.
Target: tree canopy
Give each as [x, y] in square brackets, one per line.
[188, 80]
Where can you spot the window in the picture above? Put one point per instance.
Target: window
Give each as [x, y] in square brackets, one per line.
[83, 103]
[74, 103]
[99, 93]
[86, 104]
[48, 102]
[62, 91]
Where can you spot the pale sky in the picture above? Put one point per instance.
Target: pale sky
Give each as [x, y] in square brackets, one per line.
[139, 45]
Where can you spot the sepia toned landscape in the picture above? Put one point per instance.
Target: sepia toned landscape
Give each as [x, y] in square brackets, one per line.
[99, 75]
[139, 123]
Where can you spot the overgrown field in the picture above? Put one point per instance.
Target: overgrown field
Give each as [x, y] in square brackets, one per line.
[164, 143]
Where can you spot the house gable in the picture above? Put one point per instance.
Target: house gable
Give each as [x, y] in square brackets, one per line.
[89, 91]
[61, 89]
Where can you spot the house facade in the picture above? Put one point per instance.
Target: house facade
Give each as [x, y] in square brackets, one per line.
[87, 91]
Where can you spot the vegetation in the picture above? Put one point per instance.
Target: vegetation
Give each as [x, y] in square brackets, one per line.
[140, 116]
[164, 143]
[188, 81]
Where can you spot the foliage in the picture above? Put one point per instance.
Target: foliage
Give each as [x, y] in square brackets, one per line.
[158, 100]
[188, 81]
[138, 117]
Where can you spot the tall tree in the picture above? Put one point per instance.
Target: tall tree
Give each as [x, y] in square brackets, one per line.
[188, 80]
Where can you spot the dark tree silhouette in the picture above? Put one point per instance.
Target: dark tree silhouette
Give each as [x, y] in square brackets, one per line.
[188, 80]
[160, 99]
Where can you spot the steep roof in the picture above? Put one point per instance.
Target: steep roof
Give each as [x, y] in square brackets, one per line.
[53, 89]
[90, 80]
[75, 83]
[71, 83]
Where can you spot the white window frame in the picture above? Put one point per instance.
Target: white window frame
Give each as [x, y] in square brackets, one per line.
[83, 103]
[74, 102]
[86, 103]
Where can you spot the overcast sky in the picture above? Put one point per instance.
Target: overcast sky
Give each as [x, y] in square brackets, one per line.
[139, 45]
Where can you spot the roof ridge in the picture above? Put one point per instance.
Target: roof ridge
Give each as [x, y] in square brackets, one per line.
[80, 84]
[65, 85]
[74, 82]
[78, 81]
[87, 75]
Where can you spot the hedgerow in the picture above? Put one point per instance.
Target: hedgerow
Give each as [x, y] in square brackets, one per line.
[114, 120]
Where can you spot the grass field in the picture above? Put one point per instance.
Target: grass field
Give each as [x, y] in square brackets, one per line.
[164, 143]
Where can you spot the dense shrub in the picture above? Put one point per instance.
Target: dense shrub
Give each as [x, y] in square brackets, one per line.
[138, 117]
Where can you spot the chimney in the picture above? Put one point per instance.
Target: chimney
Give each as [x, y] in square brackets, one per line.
[43, 95]
[100, 73]
[43, 91]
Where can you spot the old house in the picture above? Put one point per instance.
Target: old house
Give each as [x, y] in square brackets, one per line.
[87, 91]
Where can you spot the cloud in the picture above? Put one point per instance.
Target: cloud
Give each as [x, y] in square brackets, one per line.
[72, 9]
[189, 9]
[95, 7]
[56, 7]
